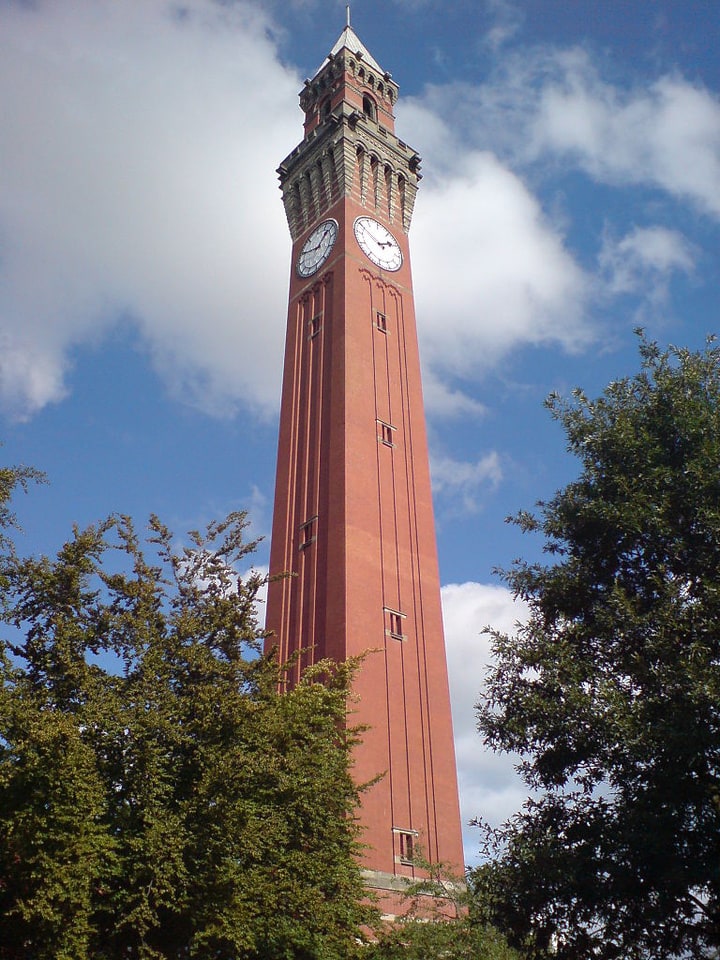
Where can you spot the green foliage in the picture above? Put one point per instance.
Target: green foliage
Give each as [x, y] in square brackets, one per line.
[159, 798]
[440, 922]
[458, 939]
[10, 479]
[610, 693]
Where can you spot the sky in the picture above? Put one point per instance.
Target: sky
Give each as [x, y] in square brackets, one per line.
[571, 193]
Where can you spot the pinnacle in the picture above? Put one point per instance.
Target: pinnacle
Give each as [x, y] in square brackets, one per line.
[348, 38]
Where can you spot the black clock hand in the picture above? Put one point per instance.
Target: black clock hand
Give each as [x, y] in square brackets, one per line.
[321, 241]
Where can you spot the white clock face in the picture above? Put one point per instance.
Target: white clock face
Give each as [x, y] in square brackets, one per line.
[378, 244]
[316, 248]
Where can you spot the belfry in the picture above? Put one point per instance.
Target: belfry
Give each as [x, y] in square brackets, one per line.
[353, 519]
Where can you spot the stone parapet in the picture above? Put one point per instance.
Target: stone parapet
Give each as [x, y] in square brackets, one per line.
[349, 155]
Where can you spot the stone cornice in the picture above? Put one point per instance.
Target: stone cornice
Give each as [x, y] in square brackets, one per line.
[337, 159]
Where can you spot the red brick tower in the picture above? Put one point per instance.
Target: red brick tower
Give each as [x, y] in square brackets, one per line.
[353, 516]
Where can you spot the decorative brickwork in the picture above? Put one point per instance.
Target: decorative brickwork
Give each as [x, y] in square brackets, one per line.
[348, 152]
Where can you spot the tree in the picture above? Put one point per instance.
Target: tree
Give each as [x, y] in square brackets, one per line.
[440, 921]
[12, 478]
[459, 939]
[610, 693]
[159, 797]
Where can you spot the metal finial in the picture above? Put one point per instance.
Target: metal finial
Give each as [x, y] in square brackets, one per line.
[347, 10]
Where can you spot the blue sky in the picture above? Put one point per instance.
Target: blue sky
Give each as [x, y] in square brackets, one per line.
[571, 192]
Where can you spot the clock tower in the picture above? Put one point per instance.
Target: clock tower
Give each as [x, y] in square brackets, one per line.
[353, 519]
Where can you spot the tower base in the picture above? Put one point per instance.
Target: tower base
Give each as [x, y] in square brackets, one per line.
[398, 898]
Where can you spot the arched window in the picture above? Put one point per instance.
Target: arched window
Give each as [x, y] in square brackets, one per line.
[309, 195]
[297, 206]
[361, 172]
[369, 107]
[322, 192]
[375, 179]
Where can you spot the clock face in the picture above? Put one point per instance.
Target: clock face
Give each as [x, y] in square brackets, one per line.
[316, 248]
[378, 244]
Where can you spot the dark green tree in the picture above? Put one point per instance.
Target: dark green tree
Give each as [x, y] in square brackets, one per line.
[159, 797]
[610, 693]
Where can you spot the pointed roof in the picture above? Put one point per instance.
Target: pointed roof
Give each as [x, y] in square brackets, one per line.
[348, 38]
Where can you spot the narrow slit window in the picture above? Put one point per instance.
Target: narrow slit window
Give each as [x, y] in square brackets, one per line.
[406, 846]
[394, 624]
[308, 533]
[385, 433]
[381, 322]
[314, 326]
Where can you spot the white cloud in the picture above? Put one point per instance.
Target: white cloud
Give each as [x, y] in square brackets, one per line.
[507, 20]
[138, 152]
[545, 104]
[139, 148]
[490, 271]
[30, 373]
[464, 479]
[507, 276]
[489, 786]
[644, 260]
[447, 401]
[666, 135]
[261, 600]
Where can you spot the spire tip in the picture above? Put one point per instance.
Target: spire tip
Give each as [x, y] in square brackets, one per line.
[347, 11]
